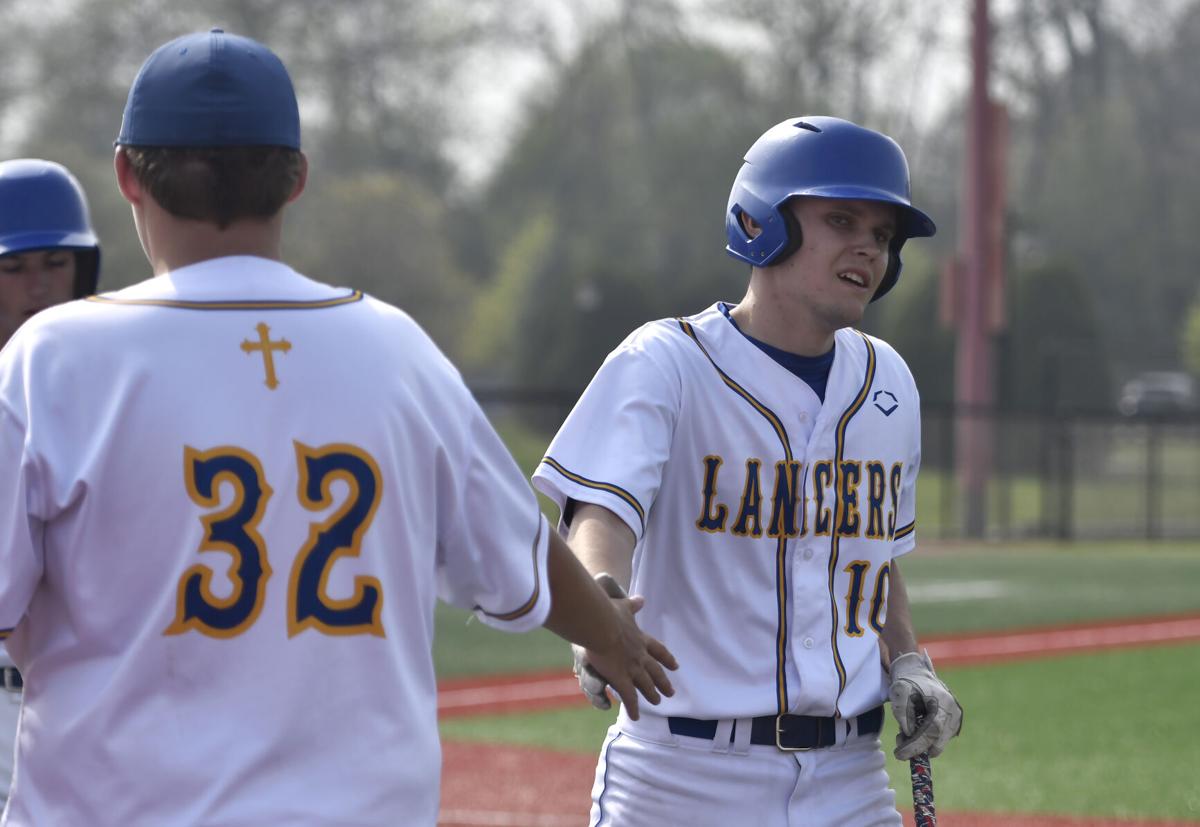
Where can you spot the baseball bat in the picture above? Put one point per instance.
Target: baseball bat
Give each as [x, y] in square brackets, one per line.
[921, 771]
[924, 813]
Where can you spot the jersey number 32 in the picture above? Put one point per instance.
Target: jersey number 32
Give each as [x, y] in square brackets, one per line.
[234, 530]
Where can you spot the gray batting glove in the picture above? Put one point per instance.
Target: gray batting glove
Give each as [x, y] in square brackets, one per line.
[927, 712]
[593, 684]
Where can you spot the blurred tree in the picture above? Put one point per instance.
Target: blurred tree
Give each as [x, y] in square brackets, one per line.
[493, 338]
[1106, 160]
[1190, 346]
[1052, 357]
[386, 234]
[1054, 56]
[628, 162]
[822, 56]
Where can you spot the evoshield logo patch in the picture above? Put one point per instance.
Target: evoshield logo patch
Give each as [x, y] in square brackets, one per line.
[886, 402]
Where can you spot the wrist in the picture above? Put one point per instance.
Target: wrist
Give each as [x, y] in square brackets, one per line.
[609, 585]
[909, 662]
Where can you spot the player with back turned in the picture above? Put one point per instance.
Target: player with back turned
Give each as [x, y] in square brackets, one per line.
[751, 470]
[230, 495]
[49, 254]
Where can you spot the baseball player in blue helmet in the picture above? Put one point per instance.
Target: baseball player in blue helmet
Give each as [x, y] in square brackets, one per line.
[48, 255]
[750, 471]
[230, 496]
[48, 250]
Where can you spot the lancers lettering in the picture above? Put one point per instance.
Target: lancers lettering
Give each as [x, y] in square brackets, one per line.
[860, 498]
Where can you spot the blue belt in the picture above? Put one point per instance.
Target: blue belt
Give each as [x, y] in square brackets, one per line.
[10, 679]
[788, 732]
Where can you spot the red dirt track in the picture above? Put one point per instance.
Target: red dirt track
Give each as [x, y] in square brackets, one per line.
[506, 786]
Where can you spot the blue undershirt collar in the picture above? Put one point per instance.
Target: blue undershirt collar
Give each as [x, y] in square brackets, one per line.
[814, 370]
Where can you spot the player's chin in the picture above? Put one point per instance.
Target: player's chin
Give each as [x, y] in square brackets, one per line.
[849, 312]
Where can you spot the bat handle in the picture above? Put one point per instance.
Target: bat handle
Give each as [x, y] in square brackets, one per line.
[924, 813]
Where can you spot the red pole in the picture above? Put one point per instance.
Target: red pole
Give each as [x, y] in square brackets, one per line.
[973, 357]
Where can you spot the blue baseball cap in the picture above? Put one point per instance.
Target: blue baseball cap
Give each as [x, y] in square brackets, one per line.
[211, 89]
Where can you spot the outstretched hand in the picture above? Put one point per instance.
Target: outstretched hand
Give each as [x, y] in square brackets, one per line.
[635, 662]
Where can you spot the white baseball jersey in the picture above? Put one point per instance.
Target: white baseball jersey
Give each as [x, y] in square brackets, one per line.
[765, 521]
[229, 497]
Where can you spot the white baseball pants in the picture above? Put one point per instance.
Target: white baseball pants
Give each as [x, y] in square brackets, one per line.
[648, 777]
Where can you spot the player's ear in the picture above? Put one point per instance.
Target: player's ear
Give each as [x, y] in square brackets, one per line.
[127, 182]
[751, 227]
[301, 179]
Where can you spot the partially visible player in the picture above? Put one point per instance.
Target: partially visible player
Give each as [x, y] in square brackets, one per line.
[48, 255]
[230, 495]
[751, 470]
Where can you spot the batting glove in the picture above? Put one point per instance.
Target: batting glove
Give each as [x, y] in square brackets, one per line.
[927, 712]
[593, 684]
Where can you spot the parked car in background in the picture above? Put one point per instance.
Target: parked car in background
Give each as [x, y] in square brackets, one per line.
[1159, 393]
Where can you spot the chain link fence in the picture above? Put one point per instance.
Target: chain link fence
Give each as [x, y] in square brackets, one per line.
[1068, 477]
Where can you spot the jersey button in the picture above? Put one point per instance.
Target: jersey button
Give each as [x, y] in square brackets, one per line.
[808, 643]
[808, 552]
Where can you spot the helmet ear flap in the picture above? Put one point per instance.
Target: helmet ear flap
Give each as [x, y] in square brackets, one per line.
[892, 274]
[776, 242]
[795, 236]
[87, 272]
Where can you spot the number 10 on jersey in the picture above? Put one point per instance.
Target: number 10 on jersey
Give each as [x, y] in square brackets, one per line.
[234, 530]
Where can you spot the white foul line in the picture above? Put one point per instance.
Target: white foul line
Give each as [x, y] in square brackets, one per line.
[490, 695]
[495, 818]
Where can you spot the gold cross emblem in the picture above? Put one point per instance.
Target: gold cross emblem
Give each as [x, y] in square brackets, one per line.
[265, 344]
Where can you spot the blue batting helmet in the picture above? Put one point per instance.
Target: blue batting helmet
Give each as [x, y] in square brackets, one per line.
[43, 207]
[820, 157]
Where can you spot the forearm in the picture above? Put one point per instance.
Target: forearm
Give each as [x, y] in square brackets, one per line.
[602, 542]
[580, 611]
[898, 635]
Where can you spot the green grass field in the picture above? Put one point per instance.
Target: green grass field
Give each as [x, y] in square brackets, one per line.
[1107, 734]
[954, 590]
[1103, 734]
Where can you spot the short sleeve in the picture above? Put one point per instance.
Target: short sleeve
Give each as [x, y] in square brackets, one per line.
[20, 532]
[612, 447]
[494, 539]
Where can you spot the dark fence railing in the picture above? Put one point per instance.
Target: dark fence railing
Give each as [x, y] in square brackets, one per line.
[1081, 476]
[1062, 476]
